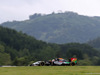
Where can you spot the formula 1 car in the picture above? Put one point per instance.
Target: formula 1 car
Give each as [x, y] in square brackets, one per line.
[56, 62]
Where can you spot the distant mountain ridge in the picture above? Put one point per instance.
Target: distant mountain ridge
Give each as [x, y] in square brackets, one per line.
[59, 27]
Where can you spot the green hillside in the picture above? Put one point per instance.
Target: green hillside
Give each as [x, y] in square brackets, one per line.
[59, 27]
[17, 48]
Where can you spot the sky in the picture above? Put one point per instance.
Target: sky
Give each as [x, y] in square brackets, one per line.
[20, 10]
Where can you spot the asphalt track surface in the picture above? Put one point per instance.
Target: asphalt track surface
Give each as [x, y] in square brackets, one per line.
[8, 66]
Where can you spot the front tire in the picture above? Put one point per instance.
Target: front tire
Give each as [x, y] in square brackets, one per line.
[42, 64]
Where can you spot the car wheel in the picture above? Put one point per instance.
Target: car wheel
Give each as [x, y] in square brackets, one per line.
[42, 64]
[72, 64]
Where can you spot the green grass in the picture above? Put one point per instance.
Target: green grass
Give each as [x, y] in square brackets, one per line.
[51, 70]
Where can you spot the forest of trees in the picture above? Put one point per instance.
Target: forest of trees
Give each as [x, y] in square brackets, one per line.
[17, 48]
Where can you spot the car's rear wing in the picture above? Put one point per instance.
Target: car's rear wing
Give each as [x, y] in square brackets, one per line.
[74, 60]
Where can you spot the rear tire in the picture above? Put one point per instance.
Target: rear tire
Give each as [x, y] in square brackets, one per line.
[72, 64]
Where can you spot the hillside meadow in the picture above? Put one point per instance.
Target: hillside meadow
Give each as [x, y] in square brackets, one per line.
[51, 70]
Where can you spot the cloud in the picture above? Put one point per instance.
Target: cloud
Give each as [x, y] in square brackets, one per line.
[21, 9]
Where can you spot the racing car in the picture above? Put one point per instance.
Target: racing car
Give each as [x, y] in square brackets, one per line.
[56, 62]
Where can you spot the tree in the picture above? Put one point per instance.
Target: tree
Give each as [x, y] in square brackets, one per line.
[20, 61]
[34, 16]
[86, 61]
[47, 53]
[74, 52]
[2, 49]
[5, 59]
